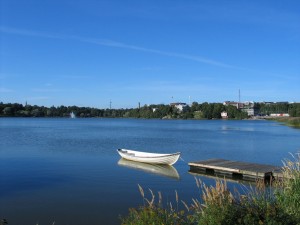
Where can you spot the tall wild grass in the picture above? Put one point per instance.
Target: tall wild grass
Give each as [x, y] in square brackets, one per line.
[288, 190]
[217, 205]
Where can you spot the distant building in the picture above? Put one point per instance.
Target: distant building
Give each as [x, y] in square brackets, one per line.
[179, 105]
[248, 107]
[279, 114]
[224, 115]
[238, 105]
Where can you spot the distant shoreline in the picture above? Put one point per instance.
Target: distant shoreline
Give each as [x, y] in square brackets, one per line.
[194, 111]
[288, 121]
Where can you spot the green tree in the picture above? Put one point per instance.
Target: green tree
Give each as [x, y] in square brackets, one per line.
[7, 111]
[37, 113]
[217, 109]
[198, 115]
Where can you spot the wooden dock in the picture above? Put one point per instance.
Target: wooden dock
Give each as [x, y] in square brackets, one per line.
[236, 169]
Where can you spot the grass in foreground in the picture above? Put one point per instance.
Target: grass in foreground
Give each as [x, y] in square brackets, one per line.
[288, 191]
[217, 205]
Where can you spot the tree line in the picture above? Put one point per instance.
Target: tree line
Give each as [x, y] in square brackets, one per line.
[194, 111]
[293, 109]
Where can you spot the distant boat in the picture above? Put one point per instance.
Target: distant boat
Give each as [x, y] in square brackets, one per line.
[72, 115]
[147, 157]
[157, 169]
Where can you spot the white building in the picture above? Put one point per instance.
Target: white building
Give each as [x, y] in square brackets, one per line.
[179, 105]
[224, 115]
[279, 114]
[248, 107]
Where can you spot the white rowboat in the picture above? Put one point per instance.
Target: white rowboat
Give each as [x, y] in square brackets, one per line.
[147, 157]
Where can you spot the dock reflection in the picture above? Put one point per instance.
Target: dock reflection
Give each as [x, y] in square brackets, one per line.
[160, 170]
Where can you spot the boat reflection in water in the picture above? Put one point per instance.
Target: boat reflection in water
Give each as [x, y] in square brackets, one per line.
[157, 169]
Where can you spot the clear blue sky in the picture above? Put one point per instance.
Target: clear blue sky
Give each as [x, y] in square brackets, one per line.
[88, 52]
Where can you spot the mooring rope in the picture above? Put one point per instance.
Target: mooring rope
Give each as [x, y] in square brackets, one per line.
[182, 159]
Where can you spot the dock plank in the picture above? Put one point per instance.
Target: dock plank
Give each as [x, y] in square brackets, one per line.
[246, 169]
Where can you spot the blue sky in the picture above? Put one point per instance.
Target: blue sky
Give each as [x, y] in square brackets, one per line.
[89, 52]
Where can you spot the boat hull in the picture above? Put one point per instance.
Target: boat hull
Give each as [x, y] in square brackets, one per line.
[146, 157]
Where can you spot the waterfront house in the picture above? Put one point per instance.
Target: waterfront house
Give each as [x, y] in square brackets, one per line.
[179, 105]
[224, 115]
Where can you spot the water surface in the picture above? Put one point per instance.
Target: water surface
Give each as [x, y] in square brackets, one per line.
[68, 170]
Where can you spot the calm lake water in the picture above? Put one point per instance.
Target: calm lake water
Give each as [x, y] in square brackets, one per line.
[68, 170]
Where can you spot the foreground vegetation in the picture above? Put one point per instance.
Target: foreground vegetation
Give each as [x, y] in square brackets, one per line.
[218, 205]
